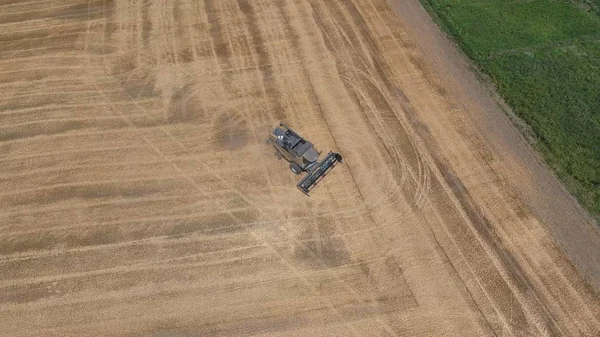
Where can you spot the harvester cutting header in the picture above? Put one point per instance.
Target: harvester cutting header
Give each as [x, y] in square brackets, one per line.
[302, 156]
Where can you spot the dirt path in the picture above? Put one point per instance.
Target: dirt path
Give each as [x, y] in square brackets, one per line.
[138, 197]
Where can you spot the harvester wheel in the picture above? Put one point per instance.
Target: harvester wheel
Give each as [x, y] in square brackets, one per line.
[295, 168]
[278, 155]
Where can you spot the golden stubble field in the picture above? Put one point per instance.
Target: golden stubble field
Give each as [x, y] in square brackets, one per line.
[138, 196]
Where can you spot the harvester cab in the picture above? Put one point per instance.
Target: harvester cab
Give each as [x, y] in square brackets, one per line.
[302, 156]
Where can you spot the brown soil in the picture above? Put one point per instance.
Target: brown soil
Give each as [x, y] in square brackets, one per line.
[138, 196]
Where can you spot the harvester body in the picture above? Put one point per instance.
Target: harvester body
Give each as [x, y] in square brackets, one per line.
[302, 156]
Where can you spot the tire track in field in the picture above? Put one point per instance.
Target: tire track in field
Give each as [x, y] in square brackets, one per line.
[547, 321]
[256, 235]
[354, 66]
[345, 65]
[383, 75]
[258, 58]
[509, 208]
[370, 230]
[383, 323]
[399, 38]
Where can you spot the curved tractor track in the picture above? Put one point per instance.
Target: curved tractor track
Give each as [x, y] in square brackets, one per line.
[138, 197]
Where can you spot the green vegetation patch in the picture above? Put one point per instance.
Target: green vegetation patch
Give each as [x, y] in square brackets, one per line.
[544, 57]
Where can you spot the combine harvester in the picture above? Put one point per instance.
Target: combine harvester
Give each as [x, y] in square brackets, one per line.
[302, 156]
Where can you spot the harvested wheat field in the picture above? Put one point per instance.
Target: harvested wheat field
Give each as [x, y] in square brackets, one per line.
[138, 196]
